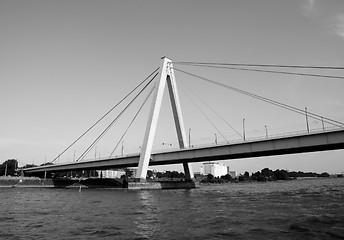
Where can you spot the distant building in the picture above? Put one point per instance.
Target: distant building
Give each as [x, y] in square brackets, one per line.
[232, 174]
[216, 169]
[111, 173]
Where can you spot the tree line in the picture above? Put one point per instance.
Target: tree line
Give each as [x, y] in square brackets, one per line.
[129, 173]
[9, 167]
[263, 176]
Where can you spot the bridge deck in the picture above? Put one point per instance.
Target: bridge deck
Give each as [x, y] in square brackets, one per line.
[312, 142]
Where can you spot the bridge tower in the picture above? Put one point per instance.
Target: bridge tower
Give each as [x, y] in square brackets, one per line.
[166, 75]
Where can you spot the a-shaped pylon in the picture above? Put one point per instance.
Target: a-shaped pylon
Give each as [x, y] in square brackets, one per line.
[166, 75]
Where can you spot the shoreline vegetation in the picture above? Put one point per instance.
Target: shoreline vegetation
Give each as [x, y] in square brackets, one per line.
[265, 175]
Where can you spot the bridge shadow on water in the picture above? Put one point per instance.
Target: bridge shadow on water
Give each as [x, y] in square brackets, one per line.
[121, 183]
[89, 183]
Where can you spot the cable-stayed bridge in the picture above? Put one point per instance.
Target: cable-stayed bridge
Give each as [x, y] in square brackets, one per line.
[309, 141]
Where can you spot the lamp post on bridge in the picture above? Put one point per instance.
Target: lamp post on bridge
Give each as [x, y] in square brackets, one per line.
[307, 119]
[243, 128]
[215, 139]
[189, 137]
[122, 148]
[266, 131]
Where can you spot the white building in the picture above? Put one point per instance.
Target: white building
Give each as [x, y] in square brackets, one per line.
[216, 169]
[111, 173]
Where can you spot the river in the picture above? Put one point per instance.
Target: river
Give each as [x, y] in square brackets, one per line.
[298, 209]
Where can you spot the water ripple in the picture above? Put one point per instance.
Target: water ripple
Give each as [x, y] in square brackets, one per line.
[307, 209]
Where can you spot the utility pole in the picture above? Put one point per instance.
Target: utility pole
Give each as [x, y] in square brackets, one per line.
[122, 147]
[215, 139]
[307, 119]
[6, 170]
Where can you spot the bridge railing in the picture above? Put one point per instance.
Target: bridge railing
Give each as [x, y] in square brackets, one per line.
[255, 139]
[234, 141]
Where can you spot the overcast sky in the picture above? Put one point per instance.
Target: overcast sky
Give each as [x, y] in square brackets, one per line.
[63, 64]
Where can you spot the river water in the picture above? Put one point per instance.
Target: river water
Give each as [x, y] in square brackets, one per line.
[299, 209]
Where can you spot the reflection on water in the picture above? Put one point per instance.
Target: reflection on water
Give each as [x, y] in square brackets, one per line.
[303, 209]
[147, 223]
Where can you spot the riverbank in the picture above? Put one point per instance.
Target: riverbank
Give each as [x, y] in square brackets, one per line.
[35, 182]
[233, 181]
[25, 182]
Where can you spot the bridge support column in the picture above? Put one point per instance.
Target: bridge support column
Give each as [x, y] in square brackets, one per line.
[166, 74]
